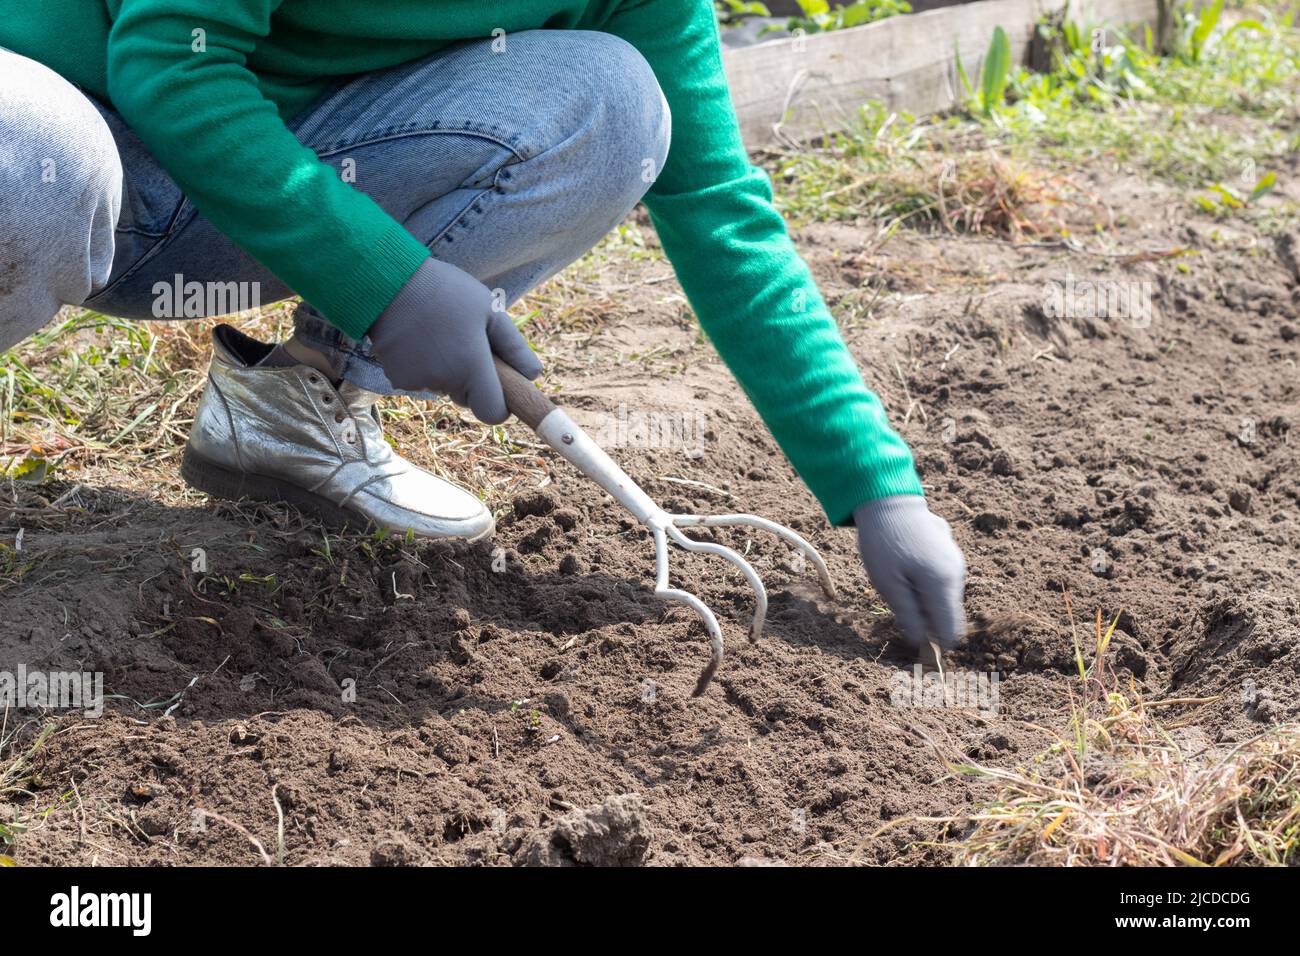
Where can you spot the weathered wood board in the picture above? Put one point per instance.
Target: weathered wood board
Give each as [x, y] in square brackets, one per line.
[803, 86]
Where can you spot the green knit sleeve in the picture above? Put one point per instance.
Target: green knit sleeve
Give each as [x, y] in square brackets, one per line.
[754, 295]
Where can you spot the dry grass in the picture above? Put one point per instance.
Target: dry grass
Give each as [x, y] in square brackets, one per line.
[1118, 788]
[1143, 800]
[18, 745]
[977, 193]
[897, 172]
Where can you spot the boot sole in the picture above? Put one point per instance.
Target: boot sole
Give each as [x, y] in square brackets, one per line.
[226, 483]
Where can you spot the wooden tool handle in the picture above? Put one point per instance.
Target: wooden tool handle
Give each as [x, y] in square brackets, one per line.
[523, 398]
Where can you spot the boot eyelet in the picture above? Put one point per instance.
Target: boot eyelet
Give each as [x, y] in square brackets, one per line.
[314, 379]
[338, 417]
[327, 399]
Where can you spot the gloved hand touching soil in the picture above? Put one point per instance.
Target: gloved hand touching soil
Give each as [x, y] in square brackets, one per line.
[915, 564]
[439, 334]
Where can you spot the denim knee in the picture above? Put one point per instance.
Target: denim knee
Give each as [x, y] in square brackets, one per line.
[639, 122]
[623, 128]
[62, 178]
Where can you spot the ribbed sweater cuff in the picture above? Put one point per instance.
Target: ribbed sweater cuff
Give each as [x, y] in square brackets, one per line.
[355, 301]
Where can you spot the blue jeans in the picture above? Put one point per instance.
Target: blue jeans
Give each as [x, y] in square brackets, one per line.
[507, 164]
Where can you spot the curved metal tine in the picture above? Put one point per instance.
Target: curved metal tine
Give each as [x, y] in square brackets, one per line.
[708, 547]
[754, 521]
[662, 590]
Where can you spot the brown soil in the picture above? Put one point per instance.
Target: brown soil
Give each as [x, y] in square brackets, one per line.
[540, 713]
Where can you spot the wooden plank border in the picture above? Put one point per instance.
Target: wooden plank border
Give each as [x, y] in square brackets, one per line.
[800, 87]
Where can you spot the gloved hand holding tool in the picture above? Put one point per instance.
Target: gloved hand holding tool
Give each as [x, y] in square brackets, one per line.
[439, 335]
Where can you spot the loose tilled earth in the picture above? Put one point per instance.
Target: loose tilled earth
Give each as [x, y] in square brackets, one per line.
[532, 705]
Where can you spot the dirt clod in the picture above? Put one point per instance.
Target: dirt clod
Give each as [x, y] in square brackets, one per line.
[533, 505]
[396, 850]
[613, 833]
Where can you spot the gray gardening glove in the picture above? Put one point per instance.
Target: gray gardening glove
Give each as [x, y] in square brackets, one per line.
[915, 564]
[439, 334]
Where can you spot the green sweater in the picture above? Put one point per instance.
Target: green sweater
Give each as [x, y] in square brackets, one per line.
[215, 121]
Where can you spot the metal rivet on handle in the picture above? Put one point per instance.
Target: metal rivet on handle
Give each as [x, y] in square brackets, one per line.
[567, 438]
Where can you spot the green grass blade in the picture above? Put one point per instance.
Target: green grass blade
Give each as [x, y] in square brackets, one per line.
[997, 63]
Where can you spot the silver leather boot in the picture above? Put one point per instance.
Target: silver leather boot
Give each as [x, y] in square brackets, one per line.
[287, 434]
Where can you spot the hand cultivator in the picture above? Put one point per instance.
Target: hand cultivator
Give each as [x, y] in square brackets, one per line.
[561, 433]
